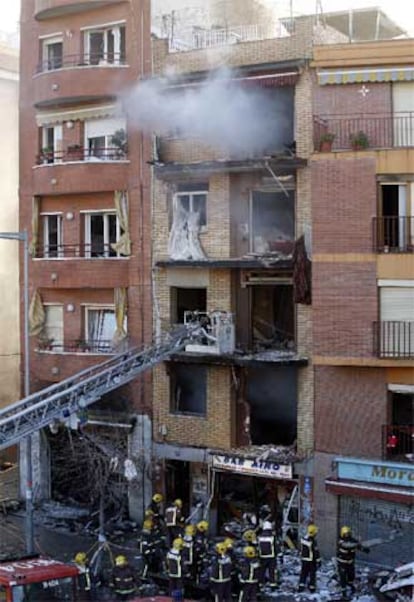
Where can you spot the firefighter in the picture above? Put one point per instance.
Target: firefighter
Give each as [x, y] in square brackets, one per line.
[146, 547]
[310, 559]
[249, 575]
[235, 584]
[345, 559]
[123, 578]
[200, 547]
[249, 537]
[188, 551]
[268, 552]
[155, 506]
[174, 520]
[84, 578]
[220, 574]
[175, 569]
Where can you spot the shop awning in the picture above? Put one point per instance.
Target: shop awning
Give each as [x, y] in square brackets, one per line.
[53, 117]
[400, 495]
[356, 76]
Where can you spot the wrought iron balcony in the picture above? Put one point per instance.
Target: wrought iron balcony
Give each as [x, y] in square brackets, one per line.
[76, 346]
[394, 339]
[94, 250]
[79, 153]
[393, 234]
[384, 130]
[69, 61]
[398, 442]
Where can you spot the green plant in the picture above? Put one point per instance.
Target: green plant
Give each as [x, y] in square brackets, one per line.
[359, 140]
[327, 137]
[45, 343]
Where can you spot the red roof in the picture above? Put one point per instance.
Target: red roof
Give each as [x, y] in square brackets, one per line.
[33, 570]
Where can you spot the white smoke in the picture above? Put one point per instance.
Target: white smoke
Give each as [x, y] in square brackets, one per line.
[240, 119]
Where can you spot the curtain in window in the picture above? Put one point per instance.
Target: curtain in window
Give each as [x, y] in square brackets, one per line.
[37, 315]
[101, 325]
[123, 245]
[35, 226]
[120, 301]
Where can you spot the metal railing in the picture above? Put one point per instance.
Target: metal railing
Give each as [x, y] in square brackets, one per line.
[394, 339]
[393, 234]
[379, 130]
[398, 442]
[69, 61]
[94, 250]
[110, 153]
[76, 346]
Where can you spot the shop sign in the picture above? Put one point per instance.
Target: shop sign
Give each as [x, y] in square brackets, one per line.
[389, 473]
[248, 466]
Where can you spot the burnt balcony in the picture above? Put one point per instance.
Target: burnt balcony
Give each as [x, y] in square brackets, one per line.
[398, 442]
[71, 61]
[394, 339]
[360, 132]
[49, 9]
[393, 234]
[79, 153]
[101, 346]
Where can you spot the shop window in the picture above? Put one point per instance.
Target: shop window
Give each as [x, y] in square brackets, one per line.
[52, 53]
[101, 231]
[105, 45]
[272, 317]
[52, 235]
[272, 222]
[188, 389]
[187, 300]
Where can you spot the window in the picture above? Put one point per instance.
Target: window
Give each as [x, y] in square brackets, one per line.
[395, 227]
[396, 328]
[403, 112]
[101, 231]
[188, 389]
[99, 141]
[100, 326]
[105, 45]
[52, 235]
[187, 299]
[52, 53]
[53, 328]
[51, 150]
[272, 222]
[192, 198]
[272, 318]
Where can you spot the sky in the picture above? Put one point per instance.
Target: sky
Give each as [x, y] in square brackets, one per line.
[402, 11]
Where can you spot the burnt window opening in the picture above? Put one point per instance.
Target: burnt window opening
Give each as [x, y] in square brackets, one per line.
[272, 397]
[187, 299]
[188, 389]
[272, 217]
[272, 317]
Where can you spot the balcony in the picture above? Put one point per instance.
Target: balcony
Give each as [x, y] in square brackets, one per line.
[79, 153]
[71, 61]
[376, 131]
[394, 340]
[398, 442]
[85, 251]
[48, 9]
[393, 234]
[100, 346]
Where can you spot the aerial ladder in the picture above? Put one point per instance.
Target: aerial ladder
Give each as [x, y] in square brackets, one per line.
[59, 401]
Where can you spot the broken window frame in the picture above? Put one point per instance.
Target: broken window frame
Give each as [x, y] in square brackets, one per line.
[290, 188]
[191, 194]
[107, 250]
[99, 344]
[192, 369]
[174, 293]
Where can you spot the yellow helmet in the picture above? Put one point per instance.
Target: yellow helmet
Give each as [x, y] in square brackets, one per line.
[177, 543]
[221, 548]
[178, 503]
[147, 524]
[249, 552]
[249, 535]
[202, 526]
[312, 530]
[149, 513]
[157, 498]
[121, 560]
[229, 542]
[80, 558]
[190, 530]
[345, 531]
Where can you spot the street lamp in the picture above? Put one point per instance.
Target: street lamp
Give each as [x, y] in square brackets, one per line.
[23, 237]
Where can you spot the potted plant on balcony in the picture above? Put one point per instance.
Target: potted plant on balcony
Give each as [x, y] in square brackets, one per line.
[82, 345]
[74, 152]
[46, 155]
[359, 140]
[45, 343]
[326, 141]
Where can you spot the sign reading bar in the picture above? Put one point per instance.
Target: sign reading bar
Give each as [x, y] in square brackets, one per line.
[258, 468]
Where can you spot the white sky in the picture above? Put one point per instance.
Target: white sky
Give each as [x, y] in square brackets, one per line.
[402, 11]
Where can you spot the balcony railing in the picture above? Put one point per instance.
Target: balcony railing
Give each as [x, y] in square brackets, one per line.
[394, 339]
[393, 234]
[69, 61]
[86, 251]
[386, 130]
[398, 442]
[77, 346]
[52, 157]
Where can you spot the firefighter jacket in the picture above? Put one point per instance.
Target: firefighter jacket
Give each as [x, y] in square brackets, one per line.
[221, 569]
[250, 570]
[146, 543]
[346, 549]
[309, 551]
[188, 549]
[267, 545]
[173, 516]
[174, 564]
[123, 580]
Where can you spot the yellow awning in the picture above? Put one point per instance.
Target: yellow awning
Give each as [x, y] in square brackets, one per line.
[357, 76]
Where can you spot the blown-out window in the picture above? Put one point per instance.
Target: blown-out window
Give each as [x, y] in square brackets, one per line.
[188, 389]
[102, 230]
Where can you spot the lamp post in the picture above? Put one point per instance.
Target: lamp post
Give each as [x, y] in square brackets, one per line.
[23, 237]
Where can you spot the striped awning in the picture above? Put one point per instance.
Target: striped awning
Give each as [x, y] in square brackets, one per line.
[53, 117]
[357, 76]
